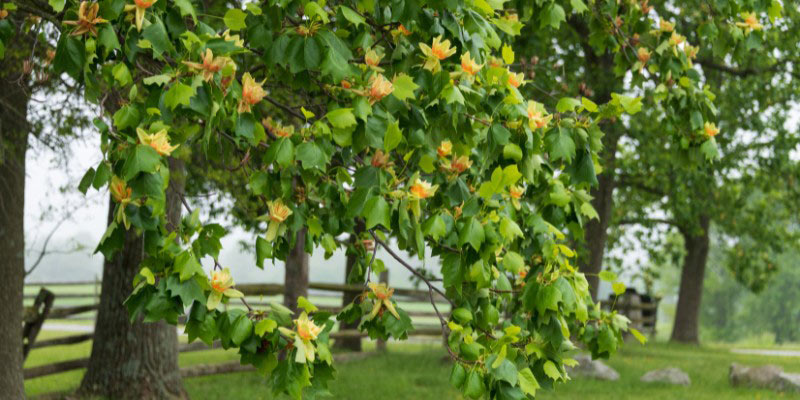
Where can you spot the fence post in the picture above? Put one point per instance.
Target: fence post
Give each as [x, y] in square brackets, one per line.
[383, 278]
[35, 316]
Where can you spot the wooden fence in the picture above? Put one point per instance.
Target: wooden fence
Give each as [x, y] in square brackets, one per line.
[43, 310]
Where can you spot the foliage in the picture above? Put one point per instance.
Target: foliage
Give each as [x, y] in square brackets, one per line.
[405, 115]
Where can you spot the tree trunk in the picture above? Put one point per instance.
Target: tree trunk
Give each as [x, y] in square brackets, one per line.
[296, 276]
[13, 146]
[350, 343]
[690, 295]
[139, 360]
[596, 233]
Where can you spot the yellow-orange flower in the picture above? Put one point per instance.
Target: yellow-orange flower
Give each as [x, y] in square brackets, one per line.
[666, 26]
[495, 62]
[643, 54]
[139, 7]
[306, 331]
[676, 39]
[516, 80]
[691, 51]
[469, 65]
[379, 87]
[3, 14]
[373, 60]
[445, 148]
[458, 165]
[380, 159]
[239, 42]
[278, 129]
[278, 213]
[221, 284]
[750, 23]
[252, 93]
[710, 129]
[159, 141]
[537, 115]
[383, 295]
[422, 189]
[515, 192]
[120, 191]
[439, 50]
[210, 65]
[87, 19]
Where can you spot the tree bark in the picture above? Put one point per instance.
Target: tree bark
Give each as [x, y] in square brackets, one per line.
[296, 276]
[133, 360]
[685, 329]
[14, 133]
[596, 233]
[350, 343]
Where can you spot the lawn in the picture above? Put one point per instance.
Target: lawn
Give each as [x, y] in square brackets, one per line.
[419, 371]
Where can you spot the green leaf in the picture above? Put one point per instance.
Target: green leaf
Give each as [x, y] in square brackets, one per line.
[568, 104]
[377, 211]
[311, 156]
[303, 303]
[121, 74]
[474, 387]
[458, 375]
[156, 34]
[86, 181]
[70, 56]
[265, 326]
[186, 8]
[263, 251]
[631, 105]
[393, 136]
[709, 149]
[159, 80]
[553, 16]
[560, 145]
[579, 7]
[638, 335]
[102, 175]
[527, 382]
[462, 315]
[235, 19]
[618, 288]
[58, 5]
[508, 54]
[187, 265]
[588, 211]
[178, 94]
[551, 370]
[404, 87]
[513, 262]
[506, 371]
[588, 104]
[352, 16]
[435, 227]
[142, 159]
[242, 329]
[281, 151]
[512, 151]
[313, 9]
[341, 118]
[607, 276]
[472, 232]
[126, 117]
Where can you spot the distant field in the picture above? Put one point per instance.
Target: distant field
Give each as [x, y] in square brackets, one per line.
[412, 371]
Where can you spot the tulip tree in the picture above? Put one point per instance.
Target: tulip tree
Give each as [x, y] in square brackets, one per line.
[408, 117]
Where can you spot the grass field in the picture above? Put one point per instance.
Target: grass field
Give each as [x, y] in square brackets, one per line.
[415, 371]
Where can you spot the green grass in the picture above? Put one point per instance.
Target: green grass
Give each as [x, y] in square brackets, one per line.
[419, 371]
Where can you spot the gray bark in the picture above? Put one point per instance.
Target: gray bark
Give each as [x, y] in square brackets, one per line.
[687, 314]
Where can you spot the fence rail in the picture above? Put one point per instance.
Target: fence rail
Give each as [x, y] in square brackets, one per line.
[268, 289]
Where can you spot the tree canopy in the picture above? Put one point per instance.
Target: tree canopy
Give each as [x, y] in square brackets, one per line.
[417, 118]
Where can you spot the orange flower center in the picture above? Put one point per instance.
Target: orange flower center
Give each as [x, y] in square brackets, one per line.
[143, 3]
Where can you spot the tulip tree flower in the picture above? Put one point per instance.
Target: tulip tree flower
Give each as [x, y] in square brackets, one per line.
[516, 79]
[139, 7]
[221, 284]
[458, 165]
[373, 60]
[210, 65]
[306, 332]
[277, 129]
[710, 129]
[278, 212]
[536, 115]
[439, 50]
[379, 87]
[516, 193]
[749, 23]
[382, 295]
[87, 19]
[252, 93]
[444, 149]
[159, 141]
[420, 190]
[122, 194]
[468, 65]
